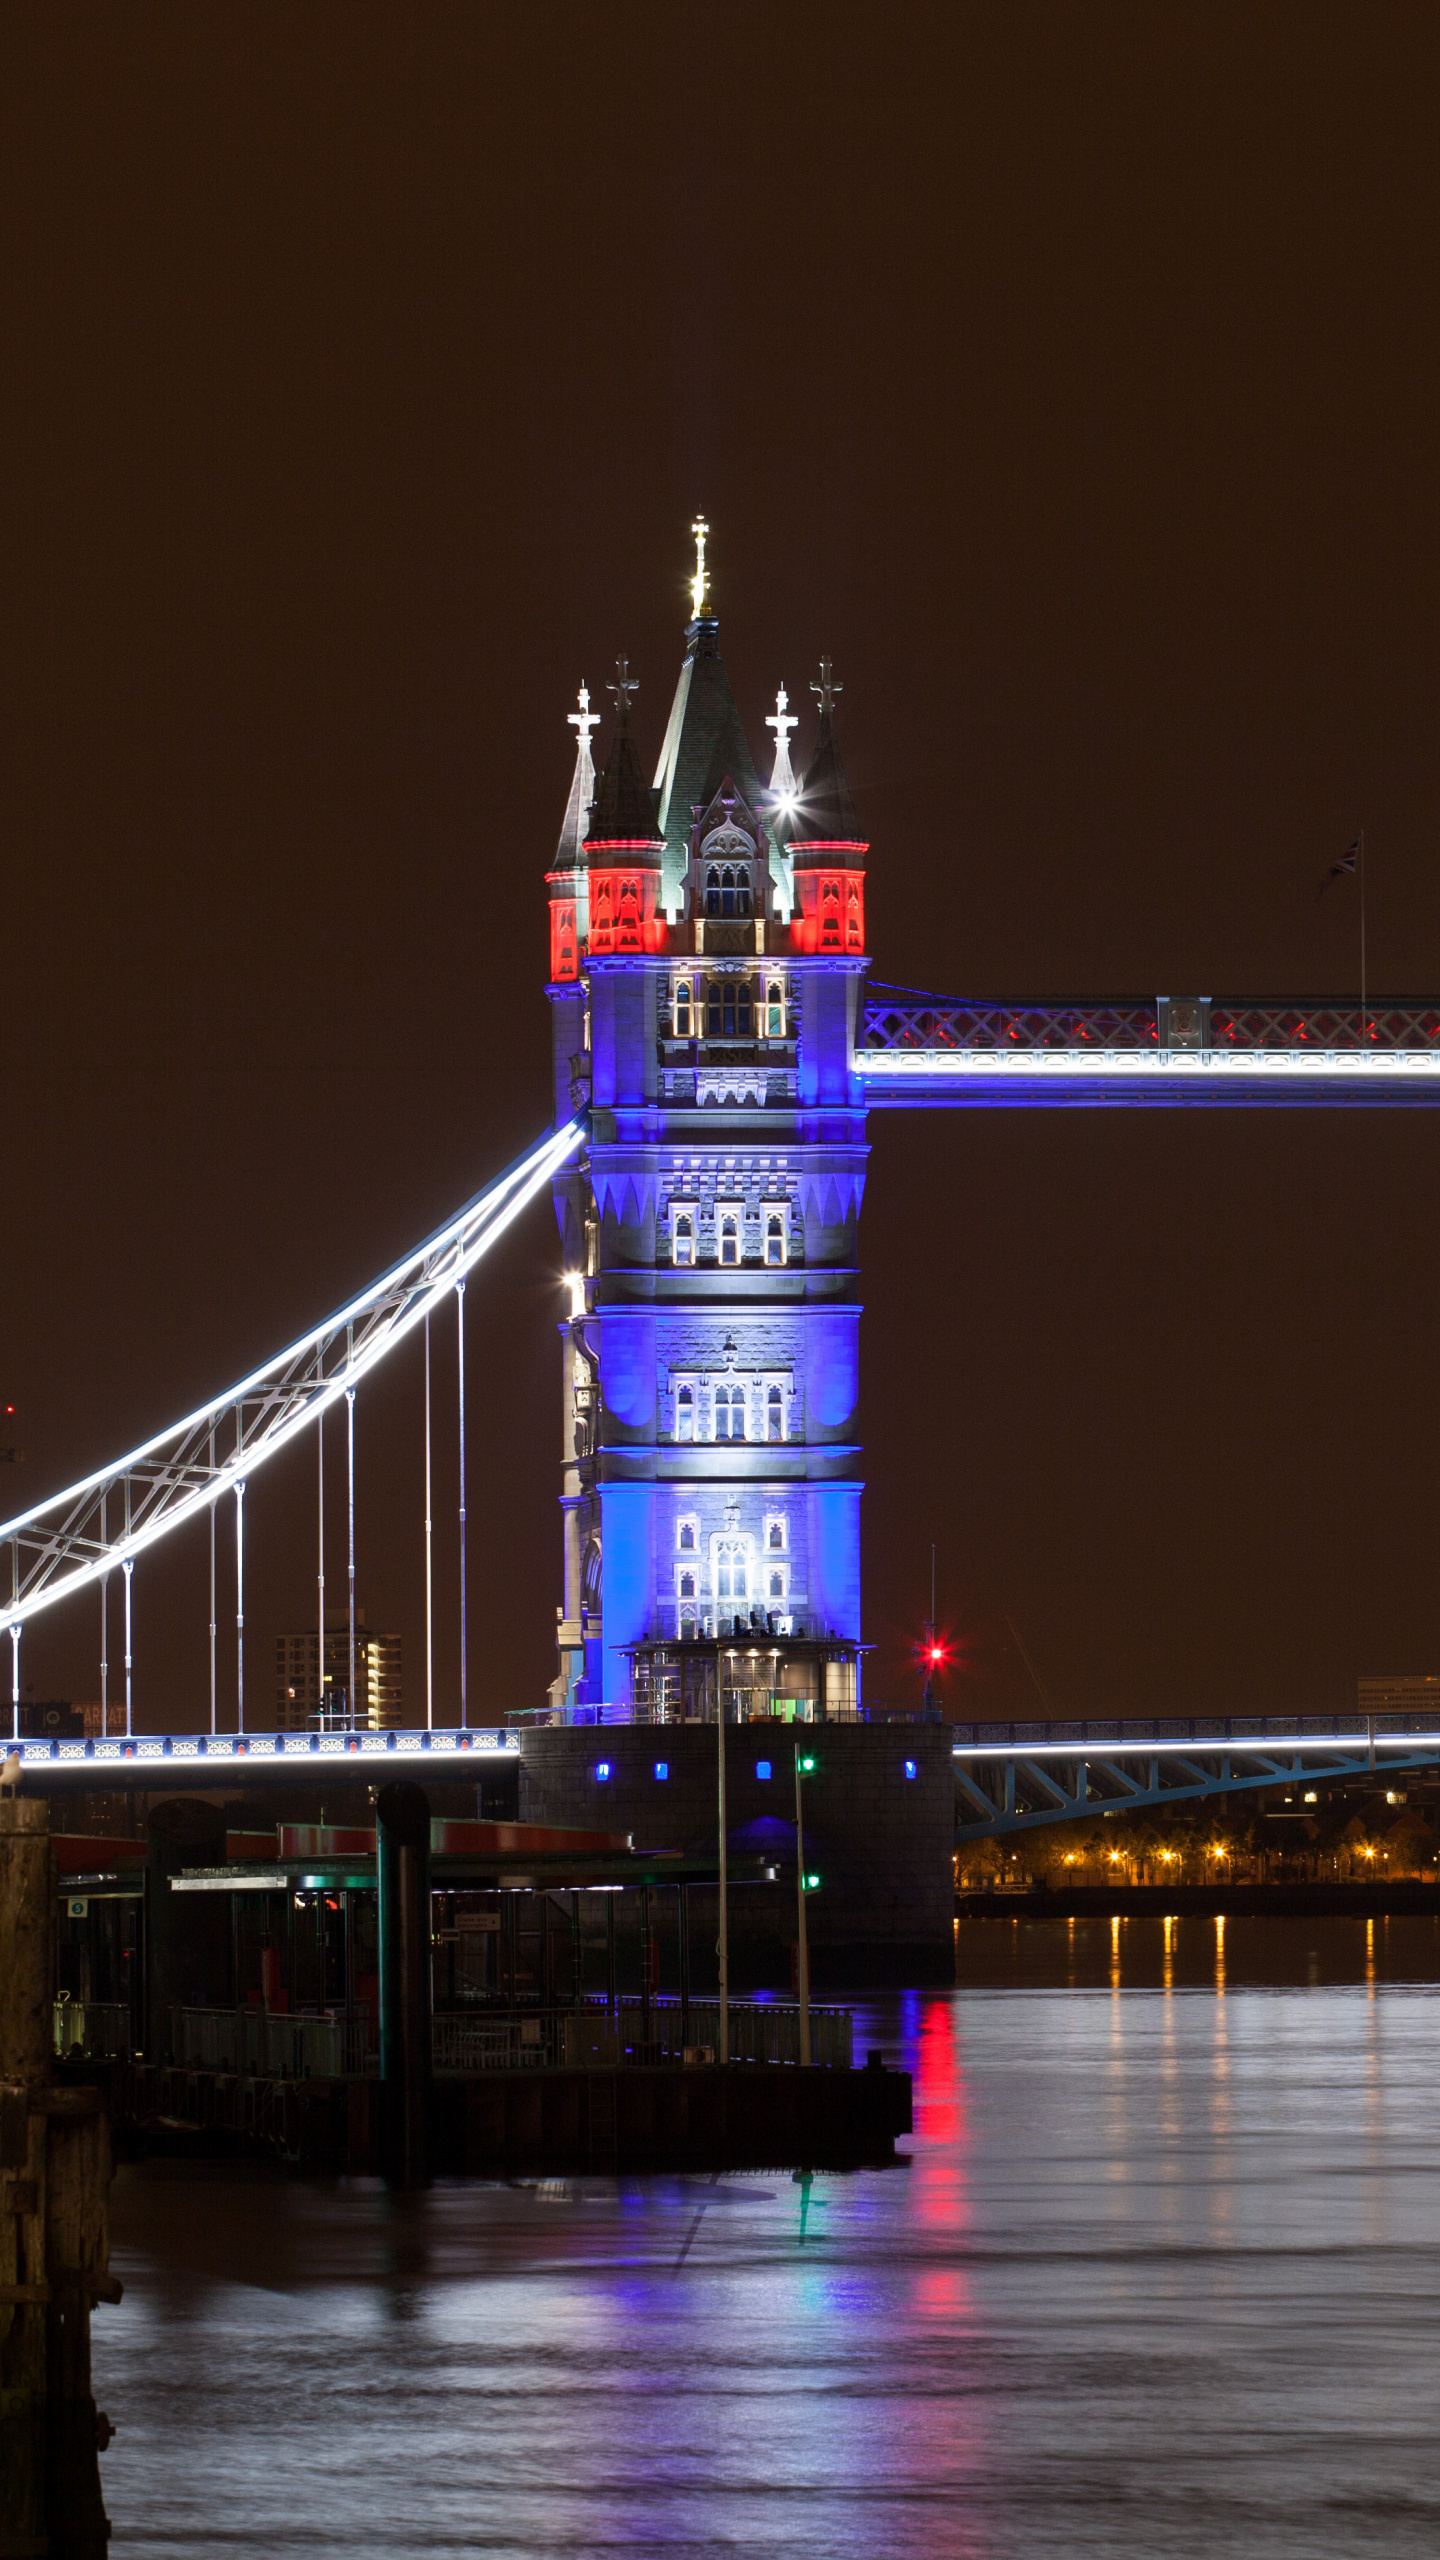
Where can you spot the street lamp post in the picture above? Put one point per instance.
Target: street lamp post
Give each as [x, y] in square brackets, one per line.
[802, 1942]
[723, 1949]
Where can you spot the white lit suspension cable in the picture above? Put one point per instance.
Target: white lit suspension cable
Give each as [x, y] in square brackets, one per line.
[61, 1545]
[460, 1354]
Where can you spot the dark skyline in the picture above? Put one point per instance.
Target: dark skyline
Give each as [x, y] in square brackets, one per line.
[1069, 378]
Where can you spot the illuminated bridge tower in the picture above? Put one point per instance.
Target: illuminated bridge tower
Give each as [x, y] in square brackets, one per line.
[707, 951]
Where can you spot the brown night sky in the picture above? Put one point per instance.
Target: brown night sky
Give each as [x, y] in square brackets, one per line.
[1070, 376]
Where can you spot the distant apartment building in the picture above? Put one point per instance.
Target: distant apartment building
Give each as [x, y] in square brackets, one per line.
[1409, 1693]
[307, 1695]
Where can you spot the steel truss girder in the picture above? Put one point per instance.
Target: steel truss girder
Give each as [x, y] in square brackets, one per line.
[997, 1787]
[109, 1518]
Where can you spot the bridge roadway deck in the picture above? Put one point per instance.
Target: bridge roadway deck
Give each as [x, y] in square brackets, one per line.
[1020, 1777]
[918, 1051]
[142, 1759]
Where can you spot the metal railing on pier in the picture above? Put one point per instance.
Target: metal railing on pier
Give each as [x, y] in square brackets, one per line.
[256, 2044]
[259, 2044]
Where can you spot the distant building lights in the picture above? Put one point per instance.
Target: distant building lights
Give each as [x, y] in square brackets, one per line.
[1312, 1798]
[602, 1770]
[762, 1768]
[662, 1768]
[912, 1769]
[810, 1883]
[806, 1765]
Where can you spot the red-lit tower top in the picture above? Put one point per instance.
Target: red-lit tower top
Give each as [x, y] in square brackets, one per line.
[826, 847]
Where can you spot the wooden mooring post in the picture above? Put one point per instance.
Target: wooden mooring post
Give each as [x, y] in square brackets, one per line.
[54, 2233]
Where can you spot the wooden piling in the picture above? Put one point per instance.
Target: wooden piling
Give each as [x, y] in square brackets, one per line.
[54, 2236]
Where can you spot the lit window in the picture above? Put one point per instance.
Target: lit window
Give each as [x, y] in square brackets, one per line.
[911, 1769]
[682, 1011]
[729, 1239]
[774, 1415]
[683, 1243]
[775, 1237]
[662, 1768]
[685, 1414]
[602, 1770]
[774, 1010]
[762, 1768]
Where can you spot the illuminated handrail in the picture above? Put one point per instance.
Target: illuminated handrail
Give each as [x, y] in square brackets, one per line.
[908, 1018]
[80, 1535]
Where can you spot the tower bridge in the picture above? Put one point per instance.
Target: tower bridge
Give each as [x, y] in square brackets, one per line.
[718, 1048]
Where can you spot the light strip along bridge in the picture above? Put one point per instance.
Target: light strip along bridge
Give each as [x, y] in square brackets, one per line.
[1017, 1777]
[1172, 1052]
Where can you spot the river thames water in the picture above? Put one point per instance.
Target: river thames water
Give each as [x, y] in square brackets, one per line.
[1162, 2276]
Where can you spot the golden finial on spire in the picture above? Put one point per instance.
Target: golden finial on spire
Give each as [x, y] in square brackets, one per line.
[700, 581]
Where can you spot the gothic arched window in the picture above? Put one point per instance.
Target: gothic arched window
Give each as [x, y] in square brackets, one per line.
[743, 1023]
[774, 1418]
[687, 1586]
[777, 1527]
[774, 1237]
[774, 1010]
[722, 1413]
[685, 1414]
[777, 1586]
[687, 1527]
[682, 1010]
[683, 1243]
[730, 1239]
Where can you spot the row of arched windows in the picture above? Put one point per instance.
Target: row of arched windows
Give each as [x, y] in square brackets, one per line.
[727, 889]
[727, 1237]
[686, 1539]
[730, 1415]
[730, 1009]
[732, 1578]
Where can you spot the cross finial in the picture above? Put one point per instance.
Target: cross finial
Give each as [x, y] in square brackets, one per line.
[783, 719]
[584, 720]
[622, 688]
[699, 582]
[827, 688]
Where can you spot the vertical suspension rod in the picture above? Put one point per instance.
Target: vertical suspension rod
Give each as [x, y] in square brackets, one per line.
[104, 1645]
[128, 1569]
[15, 1633]
[214, 1622]
[429, 1556]
[240, 1607]
[464, 1646]
[320, 1569]
[350, 1484]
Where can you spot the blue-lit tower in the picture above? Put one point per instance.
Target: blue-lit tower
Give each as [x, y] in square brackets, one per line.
[707, 952]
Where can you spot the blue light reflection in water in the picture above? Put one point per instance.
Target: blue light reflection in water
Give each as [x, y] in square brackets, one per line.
[1161, 2279]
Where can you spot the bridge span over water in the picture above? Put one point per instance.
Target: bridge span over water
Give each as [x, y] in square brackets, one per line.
[718, 1046]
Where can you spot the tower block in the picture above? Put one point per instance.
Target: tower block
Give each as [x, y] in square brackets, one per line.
[707, 952]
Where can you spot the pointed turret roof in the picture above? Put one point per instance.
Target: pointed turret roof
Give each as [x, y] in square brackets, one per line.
[570, 851]
[705, 743]
[826, 812]
[624, 811]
